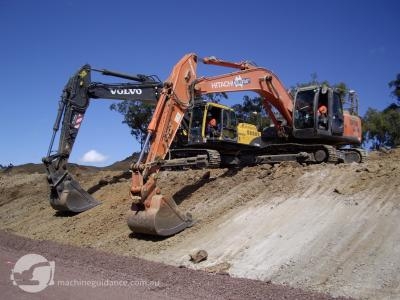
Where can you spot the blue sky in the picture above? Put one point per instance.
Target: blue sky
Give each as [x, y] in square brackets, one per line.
[45, 42]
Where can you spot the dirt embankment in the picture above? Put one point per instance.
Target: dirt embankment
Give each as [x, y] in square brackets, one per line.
[328, 228]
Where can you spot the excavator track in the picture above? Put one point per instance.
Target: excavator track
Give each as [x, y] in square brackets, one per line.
[275, 153]
[333, 155]
[303, 153]
[356, 155]
[214, 158]
[192, 158]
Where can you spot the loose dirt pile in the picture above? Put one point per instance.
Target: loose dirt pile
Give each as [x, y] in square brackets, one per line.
[328, 228]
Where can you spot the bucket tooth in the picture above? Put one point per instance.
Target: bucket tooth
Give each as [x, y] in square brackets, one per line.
[159, 216]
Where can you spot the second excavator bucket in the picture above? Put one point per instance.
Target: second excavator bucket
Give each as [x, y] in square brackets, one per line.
[68, 196]
[159, 216]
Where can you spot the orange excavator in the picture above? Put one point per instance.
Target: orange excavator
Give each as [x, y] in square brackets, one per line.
[308, 133]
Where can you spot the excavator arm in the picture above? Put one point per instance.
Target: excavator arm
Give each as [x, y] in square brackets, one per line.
[152, 212]
[65, 193]
[249, 78]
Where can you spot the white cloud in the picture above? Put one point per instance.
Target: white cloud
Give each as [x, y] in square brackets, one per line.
[93, 156]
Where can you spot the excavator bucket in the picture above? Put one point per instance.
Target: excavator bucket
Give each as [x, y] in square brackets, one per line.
[160, 216]
[68, 196]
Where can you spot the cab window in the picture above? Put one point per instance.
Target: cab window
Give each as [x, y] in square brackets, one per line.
[337, 115]
[196, 124]
[228, 124]
[304, 109]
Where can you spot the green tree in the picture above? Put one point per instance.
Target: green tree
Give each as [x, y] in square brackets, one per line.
[137, 116]
[252, 111]
[382, 128]
[342, 88]
[395, 85]
[392, 117]
[314, 81]
[214, 97]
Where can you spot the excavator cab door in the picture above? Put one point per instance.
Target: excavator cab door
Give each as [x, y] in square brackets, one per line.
[329, 112]
[337, 114]
[323, 109]
[229, 125]
[213, 116]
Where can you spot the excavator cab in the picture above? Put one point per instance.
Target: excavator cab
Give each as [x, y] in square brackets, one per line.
[216, 126]
[210, 135]
[318, 114]
[212, 121]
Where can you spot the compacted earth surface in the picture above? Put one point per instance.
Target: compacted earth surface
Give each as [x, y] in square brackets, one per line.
[282, 231]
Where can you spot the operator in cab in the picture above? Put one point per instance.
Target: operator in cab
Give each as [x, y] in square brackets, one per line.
[322, 117]
[212, 126]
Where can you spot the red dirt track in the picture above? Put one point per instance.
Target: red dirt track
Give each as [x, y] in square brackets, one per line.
[151, 280]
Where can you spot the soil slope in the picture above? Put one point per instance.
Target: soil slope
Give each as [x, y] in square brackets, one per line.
[326, 228]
